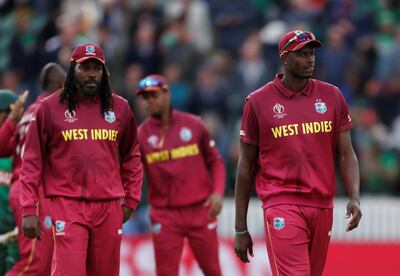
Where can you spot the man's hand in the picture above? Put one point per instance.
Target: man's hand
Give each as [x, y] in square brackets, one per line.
[31, 227]
[353, 211]
[17, 108]
[128, 212]
[243, 244]
[214, 201]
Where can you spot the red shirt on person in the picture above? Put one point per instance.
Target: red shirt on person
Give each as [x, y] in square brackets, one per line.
[182, 164]
[13, 136]
[295, 134]
[93, 156]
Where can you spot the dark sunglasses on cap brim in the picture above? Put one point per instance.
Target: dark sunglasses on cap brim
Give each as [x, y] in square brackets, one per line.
[299, 37]
[150, 82]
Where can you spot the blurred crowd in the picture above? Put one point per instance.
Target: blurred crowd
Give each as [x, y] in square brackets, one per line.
[214, 52]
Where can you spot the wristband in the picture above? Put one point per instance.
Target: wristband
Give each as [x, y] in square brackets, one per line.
[241, 232]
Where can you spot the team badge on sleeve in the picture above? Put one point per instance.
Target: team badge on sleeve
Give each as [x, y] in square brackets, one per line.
[109, 116]
[279, 223]
[320, 107]
[185, 134]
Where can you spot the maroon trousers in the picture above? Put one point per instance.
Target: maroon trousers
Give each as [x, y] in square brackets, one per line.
[87, 237]
[297, 239]
[170, 226]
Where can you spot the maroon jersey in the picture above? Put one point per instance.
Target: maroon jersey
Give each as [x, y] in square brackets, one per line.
[20, 136]
[182, 163]
[296, 134]
[7, 140]
[81, 154]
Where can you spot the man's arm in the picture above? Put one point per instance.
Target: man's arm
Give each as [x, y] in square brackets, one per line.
[130, 167]
[31, 175]
[216, 167]
[245, 177]
[349, 171]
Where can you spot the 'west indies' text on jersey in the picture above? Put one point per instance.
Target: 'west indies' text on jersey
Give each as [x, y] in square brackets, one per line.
[81, 154]
[182, 163]
[296, 134]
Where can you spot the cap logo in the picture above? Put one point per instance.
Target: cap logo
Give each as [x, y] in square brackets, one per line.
[90, 50]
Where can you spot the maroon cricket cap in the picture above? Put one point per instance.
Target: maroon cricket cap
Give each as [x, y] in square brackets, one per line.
[87, 51]
[295, 40]
[151, 83]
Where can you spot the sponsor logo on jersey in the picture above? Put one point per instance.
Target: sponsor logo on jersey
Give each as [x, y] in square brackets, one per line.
[348, 116]
[320, 107]
[279, 223]
[242, 132]
[330, 233]
[120, 231]
[185, 134]
[70, 117]
[60, 226]
[109, 116]
[279, 111]
[153, 141]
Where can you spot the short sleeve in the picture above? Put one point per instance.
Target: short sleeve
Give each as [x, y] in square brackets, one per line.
[345, 122]
[249, 127]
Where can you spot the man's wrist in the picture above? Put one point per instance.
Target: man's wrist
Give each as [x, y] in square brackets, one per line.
[242, 232]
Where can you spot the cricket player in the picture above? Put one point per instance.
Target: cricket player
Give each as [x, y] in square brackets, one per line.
[82, 146]
[186, 178]
[293, 129]
[35, 256]
[8, 256]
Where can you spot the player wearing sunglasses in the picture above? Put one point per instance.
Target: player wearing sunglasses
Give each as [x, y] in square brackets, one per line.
[186, 178]
[293, 130]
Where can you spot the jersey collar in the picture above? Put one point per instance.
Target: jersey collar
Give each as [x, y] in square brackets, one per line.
[287, 92]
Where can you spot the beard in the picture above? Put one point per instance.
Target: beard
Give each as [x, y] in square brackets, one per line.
[87, 88]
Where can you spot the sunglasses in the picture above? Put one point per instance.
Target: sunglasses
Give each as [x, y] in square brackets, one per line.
[299, 37]
[150, 82]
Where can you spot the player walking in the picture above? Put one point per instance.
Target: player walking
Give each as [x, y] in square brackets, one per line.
[82, 145]
[293, 129]
[186, 178]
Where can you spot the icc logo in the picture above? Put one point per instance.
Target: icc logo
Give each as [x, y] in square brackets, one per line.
[279, 111]
[70, 117]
